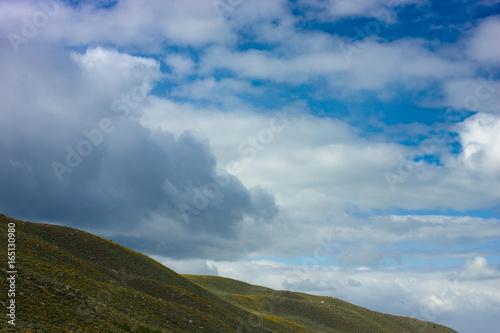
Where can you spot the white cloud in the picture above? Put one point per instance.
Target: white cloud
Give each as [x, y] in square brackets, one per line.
[250, 12]
[129, 24]
[355, 65]
[300, 57]
[316, 164]
[480, 139]
[180, 64]
[226, 93]
[409, 62]
[476, 95]
[483, 45]
[477, 268]
[265, 65]
[336, 9]
[381, 241]
[110, 73]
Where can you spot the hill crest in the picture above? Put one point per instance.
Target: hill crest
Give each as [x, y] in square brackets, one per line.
[72, 281]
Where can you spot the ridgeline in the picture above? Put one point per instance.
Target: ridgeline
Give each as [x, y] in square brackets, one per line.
[72, 281]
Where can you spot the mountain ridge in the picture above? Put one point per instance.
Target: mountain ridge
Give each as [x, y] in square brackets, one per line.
[73, 281]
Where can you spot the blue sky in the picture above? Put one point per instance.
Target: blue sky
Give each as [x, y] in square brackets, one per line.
[341, 148]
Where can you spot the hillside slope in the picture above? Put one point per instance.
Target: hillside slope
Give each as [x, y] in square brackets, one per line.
[72, 281]
[317, 313]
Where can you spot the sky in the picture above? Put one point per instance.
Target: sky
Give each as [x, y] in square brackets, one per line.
[340, 148]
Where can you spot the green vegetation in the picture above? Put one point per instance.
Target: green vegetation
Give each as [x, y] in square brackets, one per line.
[140, 329]
[311, 313]
[72, 281]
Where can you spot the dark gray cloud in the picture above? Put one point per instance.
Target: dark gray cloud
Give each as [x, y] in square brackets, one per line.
[67, 157]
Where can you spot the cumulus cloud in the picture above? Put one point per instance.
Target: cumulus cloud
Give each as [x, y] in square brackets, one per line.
[326, 160]
[472, 95]
[101, 169]
[180, 64]
[129, 23]
[482, 46]
[225, 93]
[480, 139]
[371, 65]
[337, 9]
[477, 268]
[389, 241]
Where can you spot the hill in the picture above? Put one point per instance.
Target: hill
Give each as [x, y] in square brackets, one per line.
[72, 281]
[311, 313]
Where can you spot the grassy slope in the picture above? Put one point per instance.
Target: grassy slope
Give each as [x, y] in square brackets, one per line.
[73, 281]
[70, 280]
[319, 314]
